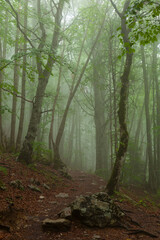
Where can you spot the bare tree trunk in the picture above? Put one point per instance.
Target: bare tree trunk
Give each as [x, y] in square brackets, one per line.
[14, 99]
[112, 65]
[3, 48]
[157, 112]
[44, 74]
[70, 141]
[23, 88]
[113, 183]
[99, 111]
[57, 161]
[151, 181]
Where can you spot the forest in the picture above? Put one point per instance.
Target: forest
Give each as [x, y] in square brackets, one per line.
[79, 112]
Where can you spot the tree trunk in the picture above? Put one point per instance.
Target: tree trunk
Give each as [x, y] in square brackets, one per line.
[157, 113]
[23, 87]
[151, 181]
[113, 183]
[14, 99]
[27, 148]
[57, 161]
[99, 114]
[3, 48]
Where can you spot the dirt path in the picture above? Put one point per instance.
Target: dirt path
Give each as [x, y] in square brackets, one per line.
[38, 206]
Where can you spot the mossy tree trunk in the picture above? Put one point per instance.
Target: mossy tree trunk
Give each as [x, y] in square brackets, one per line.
[113, 184]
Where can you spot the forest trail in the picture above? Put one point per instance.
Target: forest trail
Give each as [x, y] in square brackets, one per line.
[24, 208]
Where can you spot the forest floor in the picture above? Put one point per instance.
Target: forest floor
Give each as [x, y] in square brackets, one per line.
[22, 209]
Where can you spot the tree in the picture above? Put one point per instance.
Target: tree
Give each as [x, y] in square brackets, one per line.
[113, 183]
[23, 87]
[43, 77]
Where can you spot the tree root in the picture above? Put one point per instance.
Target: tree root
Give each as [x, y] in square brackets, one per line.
[137, 231]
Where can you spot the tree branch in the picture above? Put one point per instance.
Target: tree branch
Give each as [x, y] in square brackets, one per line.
[19, 96]
[18, 23]
[116, 9]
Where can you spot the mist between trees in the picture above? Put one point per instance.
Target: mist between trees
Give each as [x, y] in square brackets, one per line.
[80, 86]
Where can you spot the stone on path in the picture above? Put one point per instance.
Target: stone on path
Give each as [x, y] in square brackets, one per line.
[61, 225]
[96, 210]
[62, 195]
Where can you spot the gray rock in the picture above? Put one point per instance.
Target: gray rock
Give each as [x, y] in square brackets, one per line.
[34, 188]
[56, 225]
[17, 184]
[66, 213]
[62, 195]
[46, 186]
[96, 210]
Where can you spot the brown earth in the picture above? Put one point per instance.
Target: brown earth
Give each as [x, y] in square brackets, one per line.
[22, 210]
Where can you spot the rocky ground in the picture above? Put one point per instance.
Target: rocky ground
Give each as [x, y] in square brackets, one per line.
[29, 195]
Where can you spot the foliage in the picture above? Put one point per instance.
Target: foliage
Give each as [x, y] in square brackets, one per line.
[3, 169]
[143, 20]
[41, 152]
[133, 169]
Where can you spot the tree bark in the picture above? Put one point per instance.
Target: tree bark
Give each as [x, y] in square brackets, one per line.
[157, 112]
[99, 111]
[44, 74]
[113, 183]
[57, 161]
[14, 99]
[23, 87]
[151, 181]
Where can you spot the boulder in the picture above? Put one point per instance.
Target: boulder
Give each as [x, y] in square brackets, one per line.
[61, 225]
[96, 210]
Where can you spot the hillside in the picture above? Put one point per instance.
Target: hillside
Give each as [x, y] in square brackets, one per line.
[30, 194]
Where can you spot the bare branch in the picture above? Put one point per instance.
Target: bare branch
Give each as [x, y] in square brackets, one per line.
[15, 94]
[116, 9]
[18, 23]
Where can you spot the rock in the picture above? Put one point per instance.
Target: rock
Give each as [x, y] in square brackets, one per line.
[93, 183]
[46, 186]
[53, 202]
[66, 213]
[61, 225]
[62, 195]
[34, 188]
[17, 184]
[35, 181]
[64, 173]
[96, 210]
[3, 186]
[97, 237]
[41, 197]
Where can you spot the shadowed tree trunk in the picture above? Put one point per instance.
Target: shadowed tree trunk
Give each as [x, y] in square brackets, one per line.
[113, 183]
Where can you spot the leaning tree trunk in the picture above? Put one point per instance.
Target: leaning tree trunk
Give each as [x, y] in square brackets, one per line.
[44, 74]
[113, 183]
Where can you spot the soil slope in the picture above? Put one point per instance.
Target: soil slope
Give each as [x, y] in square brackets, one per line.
[28, 195]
